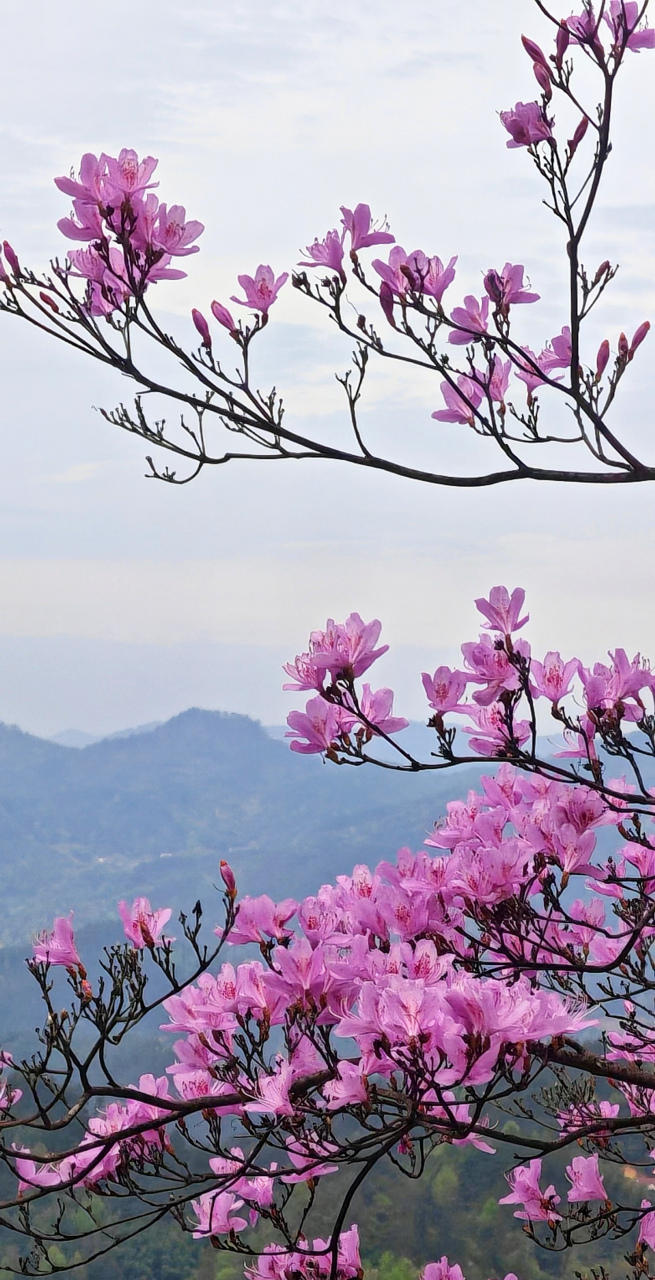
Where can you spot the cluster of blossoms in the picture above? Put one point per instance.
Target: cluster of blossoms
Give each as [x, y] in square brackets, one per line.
[131, 236]
[402, 1007]
[339, 721]
[418, 992]
[132, 239]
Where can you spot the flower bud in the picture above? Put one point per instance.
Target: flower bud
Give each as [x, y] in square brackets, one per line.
[640, 334]
[386, 302]
[562, 43]
[533, 51]
[602, 271]
[223, 316]
[494, 287]
[602, 358]
[227, 876]
[50, 302]
[579, 134]
[543, 78]
[624, 350]
[202, 327]
[11, 258]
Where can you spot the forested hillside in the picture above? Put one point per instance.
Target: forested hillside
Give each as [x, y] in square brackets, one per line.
[153, 814]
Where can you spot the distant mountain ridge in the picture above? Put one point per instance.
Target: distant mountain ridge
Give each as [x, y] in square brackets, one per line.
[152, 813]
[79, 739]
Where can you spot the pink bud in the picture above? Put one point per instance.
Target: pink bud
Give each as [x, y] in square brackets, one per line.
[227, 876]
[494, 287]
[386, 302]
[50, 302]
[602, 271]
[202, 327]
[638, 338]
[579, 134]
[223, 316]
[562, 43]
[602, 358]
[533, 51]
[11, 258]
[543, 78]
[623, 347]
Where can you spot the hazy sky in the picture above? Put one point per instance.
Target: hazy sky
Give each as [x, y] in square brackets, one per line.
[125, 601]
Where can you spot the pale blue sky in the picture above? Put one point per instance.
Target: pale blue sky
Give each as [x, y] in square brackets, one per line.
[124, 601]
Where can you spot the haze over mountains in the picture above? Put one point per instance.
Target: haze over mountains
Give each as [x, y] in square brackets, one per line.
[153, 812]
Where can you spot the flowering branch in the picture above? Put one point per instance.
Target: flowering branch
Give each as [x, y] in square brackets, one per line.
[97, 301]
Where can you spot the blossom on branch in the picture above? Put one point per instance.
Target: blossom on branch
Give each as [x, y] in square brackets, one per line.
[527, 125]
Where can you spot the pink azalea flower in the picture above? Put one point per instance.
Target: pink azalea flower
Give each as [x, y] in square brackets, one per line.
[505, 288]
[326, 253]
[88, 225]
[259, 919]
[343, 648]
[88, 190]
[538, 1205]
[58, 945]
[552, 678]
[142, 925]
[586, 1181]
[8, 1094]
[502, 611]
[350, 1089]
[444, 689]
[473, 320]
[492, 667]
[647, 1226]
[415, 271]
[127, 175]
[315, 729]
[307, 1155]
[377, 707]
[461, 404]
[623, 17]
[586, 1113]
[435, 277]
[557, 355]
[273, 1092]
[37, 1173]
[215, 1214]
[172, 233]
[108, 284]
[262, 290]
[527, 373]
[399, 273]
[490, 723]
[496, 380]
[527, 124]
[359, 225]
[442, 1270]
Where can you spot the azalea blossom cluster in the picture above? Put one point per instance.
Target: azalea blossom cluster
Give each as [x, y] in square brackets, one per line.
[491, 379]
[507, 685]
[131, 236]
[394, 1010]
[492, 988]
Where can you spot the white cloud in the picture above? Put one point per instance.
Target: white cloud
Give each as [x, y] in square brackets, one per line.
[267, 116]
